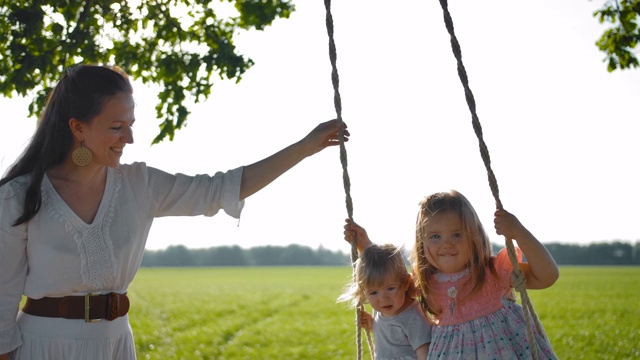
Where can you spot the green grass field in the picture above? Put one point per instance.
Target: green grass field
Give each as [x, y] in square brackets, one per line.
[291, 313]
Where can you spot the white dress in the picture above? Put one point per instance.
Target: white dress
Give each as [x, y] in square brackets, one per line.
[57, 254]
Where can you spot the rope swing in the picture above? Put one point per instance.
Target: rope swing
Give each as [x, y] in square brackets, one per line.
[518, 275]
[345, 173]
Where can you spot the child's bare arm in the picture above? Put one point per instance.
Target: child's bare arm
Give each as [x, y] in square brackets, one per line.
[422, 352]
[541, 270]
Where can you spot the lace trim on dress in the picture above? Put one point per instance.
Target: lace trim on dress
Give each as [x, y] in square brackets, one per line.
[53, 204]
[108, 218]
[442, 277]
[95, 249]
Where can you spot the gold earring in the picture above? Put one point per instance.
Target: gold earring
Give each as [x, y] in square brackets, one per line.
[82, 156]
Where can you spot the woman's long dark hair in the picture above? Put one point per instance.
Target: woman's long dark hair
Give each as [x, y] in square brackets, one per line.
[80, 94]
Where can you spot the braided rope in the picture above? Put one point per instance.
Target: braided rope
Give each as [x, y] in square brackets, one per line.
[345, 174]
[518, 275]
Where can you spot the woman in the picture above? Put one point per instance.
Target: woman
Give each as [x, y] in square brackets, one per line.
[74, 221]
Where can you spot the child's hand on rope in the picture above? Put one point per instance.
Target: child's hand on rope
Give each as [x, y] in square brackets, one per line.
[540, 270]
[355, 232]
[366, 320]
[507, 225]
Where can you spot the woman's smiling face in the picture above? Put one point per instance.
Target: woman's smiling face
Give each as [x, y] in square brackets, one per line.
[108, 132]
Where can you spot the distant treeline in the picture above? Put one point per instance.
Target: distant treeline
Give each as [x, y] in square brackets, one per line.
[180, 255]
[613, 253]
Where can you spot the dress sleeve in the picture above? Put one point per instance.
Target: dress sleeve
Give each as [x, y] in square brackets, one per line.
[503, 266]
[13, 266]
[184, 195]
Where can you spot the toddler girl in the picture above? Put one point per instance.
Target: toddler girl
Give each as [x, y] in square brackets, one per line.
[400, 328]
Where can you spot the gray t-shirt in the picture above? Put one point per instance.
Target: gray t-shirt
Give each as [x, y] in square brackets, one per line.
[397, 337]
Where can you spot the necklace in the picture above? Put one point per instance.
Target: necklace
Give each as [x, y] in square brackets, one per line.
[453, 290]
[453, 294]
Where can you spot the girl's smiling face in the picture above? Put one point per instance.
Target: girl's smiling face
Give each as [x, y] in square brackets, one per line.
[446, 246]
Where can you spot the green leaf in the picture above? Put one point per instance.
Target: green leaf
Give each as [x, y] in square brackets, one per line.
[619, 41]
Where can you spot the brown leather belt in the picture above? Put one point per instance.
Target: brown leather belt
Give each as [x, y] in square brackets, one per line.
[90, 307]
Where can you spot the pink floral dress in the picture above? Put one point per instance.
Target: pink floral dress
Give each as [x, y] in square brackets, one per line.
[489, 325]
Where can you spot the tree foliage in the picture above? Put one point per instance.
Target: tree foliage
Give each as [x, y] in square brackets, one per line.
[176, 44]
[619, 41]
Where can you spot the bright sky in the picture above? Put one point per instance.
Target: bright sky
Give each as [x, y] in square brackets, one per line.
[561, 131]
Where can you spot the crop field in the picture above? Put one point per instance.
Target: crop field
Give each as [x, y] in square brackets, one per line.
[291, 313]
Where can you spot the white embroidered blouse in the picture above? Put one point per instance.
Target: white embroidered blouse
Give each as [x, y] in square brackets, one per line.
[57, 254]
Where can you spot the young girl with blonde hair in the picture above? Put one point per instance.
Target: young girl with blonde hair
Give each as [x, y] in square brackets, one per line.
[400, 328]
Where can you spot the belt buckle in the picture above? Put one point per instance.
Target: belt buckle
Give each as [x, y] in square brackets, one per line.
[87, 307]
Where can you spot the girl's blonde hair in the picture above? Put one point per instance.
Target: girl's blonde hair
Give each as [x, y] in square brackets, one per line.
[374, 266]
[478, 242]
